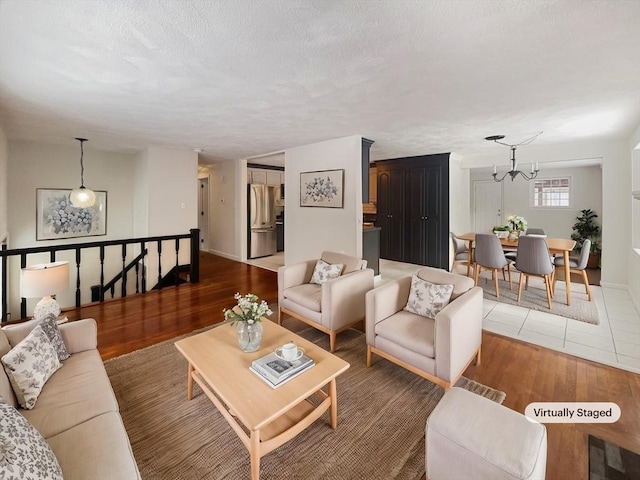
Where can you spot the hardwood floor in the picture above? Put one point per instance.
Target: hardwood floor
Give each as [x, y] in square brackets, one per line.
[526, 373]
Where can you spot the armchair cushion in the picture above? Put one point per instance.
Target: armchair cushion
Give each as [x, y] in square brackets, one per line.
[411, 331]
[324, 271]
[426, 298]
[308, 295]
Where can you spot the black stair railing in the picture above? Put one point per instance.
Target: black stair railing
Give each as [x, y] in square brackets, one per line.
[23, 253]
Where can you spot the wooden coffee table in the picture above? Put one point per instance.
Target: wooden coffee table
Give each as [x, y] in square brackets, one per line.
[272, 416]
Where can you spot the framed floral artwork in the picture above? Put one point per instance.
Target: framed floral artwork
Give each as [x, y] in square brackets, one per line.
[57, 218]
[322, 189]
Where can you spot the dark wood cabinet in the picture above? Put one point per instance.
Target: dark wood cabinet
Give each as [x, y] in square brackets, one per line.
[390, 213]
[413, 209]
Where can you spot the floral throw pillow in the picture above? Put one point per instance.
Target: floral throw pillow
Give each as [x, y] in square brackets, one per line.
[426, 298]
[324, 271]
[24, 453]
[50, 327]
[29, 365]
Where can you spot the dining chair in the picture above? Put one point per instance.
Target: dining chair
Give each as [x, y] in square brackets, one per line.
[512, 254]
[460, 252]
[535, 231]
[488, 254]
[533, 260]
[577, 264]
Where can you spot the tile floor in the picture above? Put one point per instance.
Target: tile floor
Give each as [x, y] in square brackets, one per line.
[615, 341]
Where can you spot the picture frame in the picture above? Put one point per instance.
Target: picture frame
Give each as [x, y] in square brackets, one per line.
[323, 188]
[57, 218]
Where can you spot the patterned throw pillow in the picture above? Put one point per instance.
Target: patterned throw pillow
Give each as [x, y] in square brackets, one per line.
[426, 298]
[324, 271]
[29, 365]
[24, 453]
[50, 327]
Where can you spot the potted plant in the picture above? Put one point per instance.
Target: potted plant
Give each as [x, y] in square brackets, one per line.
[586, 227]
[501, 231]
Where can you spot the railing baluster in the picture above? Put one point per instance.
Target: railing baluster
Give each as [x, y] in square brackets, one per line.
[137, 278]
[78, 294]
[160, 264]
[175, 280]
[101, 273]
[3, 282]
[194, 273]
[23, 301]
[143, 250]
[123, 292]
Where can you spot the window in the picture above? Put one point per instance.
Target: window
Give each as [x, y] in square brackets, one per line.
[552, 192]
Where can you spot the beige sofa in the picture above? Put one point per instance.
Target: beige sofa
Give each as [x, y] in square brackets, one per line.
[76, 411]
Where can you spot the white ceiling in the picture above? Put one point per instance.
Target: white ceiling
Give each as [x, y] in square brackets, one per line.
[241, 78]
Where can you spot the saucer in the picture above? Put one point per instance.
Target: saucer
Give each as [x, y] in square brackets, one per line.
[278, 353]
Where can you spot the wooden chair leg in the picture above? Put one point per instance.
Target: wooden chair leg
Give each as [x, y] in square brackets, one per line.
[586, 284]
[495, 279]
[547, 284]
[520, 285]
[526, 286]
[476, 273]
[468, 267]
[509, 273]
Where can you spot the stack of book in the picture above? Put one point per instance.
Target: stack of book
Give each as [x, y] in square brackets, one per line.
[275, 371]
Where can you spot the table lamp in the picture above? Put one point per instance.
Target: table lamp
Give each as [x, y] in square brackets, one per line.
[44, 280]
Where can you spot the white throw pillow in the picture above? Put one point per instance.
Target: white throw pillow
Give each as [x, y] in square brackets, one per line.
[29, 365]
[426, 298]
[24, 453]
[324, 271]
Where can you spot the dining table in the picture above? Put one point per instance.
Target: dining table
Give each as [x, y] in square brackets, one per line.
[556, 246]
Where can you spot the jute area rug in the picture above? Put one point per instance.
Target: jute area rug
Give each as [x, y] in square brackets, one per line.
[535, 297]
[382, 412]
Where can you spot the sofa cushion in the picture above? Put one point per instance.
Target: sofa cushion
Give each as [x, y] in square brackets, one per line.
[413, 332]
[24, 454]
[426, 298]
[19, 331]
[76, 393]
[309, 295]
[323, 272]
[50, 327]
[97, 449]
[29, 365]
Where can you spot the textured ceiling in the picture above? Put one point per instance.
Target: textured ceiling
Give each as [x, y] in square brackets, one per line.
[243, 78]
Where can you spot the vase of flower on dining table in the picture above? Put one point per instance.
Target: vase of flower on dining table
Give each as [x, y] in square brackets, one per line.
[517, 225]
[247, 317]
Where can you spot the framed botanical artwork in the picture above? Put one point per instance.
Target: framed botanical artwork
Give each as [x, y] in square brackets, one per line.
[322, 189]
[57, 218]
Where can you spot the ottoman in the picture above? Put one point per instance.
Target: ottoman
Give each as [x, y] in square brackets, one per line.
[471, 437]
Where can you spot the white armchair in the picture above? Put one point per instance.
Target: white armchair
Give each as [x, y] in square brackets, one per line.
[331, 307]
[438, 349]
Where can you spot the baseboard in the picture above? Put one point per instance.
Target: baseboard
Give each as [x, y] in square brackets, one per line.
[225, 255]
[617, 286]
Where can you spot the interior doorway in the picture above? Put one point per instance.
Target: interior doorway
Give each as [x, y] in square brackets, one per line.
[203, 212]
[487, 205]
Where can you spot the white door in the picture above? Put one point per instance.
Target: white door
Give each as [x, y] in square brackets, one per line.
[488, 205]
[203, 212]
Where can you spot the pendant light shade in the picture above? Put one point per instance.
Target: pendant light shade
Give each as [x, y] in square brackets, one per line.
[82, 197]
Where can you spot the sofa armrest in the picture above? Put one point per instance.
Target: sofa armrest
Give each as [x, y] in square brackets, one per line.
[384, 301]
[293, 275]
[80, 335]
[458, 333]
[343, 298]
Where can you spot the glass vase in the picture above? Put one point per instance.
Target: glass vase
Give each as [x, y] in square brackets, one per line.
[249, 336]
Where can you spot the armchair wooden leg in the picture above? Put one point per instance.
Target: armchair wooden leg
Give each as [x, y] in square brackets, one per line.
[586, 284]
[279, 315]
[369, 355]
[332, 341]
[478, 360]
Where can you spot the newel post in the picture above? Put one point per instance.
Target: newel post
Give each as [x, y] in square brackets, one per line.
[194, 273]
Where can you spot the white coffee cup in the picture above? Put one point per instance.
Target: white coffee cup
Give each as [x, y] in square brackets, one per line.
[290, 351]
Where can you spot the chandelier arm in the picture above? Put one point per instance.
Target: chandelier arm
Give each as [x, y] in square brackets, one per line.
[495, 175]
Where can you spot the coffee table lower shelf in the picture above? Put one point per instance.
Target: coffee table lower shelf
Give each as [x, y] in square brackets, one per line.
[261, 441]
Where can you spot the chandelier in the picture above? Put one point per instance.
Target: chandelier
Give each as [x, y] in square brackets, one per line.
[82, 197]
[514, 172]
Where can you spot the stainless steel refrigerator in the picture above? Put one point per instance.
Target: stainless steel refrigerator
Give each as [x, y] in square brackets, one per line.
[262, 221]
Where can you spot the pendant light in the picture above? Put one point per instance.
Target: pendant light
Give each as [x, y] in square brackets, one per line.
[514, 172]
[82, 197]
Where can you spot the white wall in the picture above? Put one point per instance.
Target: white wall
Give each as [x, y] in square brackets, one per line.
[634, 252]
[586, 188]
[311, 230]
[4, 170]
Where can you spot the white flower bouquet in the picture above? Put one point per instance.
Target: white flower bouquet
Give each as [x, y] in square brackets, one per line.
[516, 223]
[248, 310]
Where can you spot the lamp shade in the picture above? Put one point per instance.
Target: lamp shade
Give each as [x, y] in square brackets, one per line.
[82, 197]
[44, 279]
